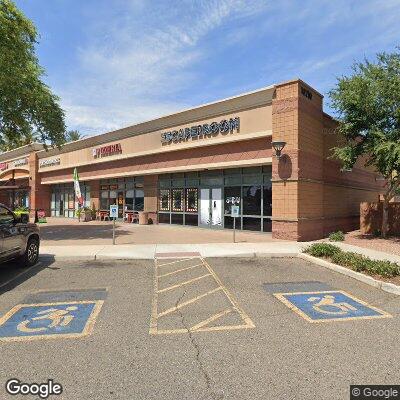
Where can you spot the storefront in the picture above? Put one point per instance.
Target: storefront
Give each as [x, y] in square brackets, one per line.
[17, 172]
[191, 167]
[206, 198]
[127, 193]
[64, 202]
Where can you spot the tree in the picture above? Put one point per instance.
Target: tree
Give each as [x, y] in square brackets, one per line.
[368, 105]
[27, 106]
[7, 144]
[73, 135]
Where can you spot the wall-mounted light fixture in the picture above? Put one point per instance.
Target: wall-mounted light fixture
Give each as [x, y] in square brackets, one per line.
[278, 147]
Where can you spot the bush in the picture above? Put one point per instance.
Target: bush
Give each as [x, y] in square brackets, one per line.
[354, 261]
[322, 250]
[336, 236]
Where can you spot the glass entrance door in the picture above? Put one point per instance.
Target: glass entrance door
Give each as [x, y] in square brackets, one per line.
[210, 208]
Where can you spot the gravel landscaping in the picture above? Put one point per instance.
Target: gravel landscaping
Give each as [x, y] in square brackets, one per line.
[390, 245]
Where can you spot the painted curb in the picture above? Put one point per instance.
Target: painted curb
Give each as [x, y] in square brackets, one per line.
[386, 286]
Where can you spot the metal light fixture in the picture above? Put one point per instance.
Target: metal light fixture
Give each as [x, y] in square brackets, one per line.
[278, 147]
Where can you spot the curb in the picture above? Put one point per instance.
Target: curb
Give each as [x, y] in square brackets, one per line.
[386, 286]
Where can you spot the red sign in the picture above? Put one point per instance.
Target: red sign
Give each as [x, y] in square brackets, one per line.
[3, 166]
[105, 151]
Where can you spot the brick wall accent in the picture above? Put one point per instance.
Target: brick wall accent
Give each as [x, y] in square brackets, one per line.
[312, 197]
[40, 195]
[371, 218]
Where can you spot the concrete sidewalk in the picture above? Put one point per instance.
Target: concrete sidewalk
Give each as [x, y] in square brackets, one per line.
[148, 251]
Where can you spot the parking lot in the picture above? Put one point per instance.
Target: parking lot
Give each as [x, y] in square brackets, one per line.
[181, 327]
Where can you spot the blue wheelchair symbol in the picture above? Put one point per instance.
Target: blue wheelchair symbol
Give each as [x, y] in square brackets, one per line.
[49, 320]
[329, 306]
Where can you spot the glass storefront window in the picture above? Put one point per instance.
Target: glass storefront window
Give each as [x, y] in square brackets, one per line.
[252, 224]
[231, 198]
[267, 200]
[129, 195]
[228, 223]
[139, 200]
[267, 225]
[164, 200]
[251, 200]
[177, 200]
[191, 219]
[177, 219]
[191, 200]
[164, 218]
[249, 188]
[104, 204]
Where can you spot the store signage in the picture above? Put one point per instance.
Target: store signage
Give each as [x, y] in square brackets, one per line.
[234, 211]
[200, 131]
[113, 211]
[233, 200]
[106, 151]
[50, 162]
[20, 162]
[13, 164]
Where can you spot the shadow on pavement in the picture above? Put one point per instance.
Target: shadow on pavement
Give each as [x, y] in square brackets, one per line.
[76, 232]
[11, 275]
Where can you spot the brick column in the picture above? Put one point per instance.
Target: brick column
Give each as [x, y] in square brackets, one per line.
[151, 196]
[297, 186]
[40, 195]
[285, 171]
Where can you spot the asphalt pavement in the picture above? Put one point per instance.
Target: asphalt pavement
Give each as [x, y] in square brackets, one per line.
[194, 328]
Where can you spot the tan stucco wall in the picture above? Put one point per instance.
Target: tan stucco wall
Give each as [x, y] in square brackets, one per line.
[254, 123]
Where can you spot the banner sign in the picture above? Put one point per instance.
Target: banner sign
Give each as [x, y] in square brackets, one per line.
[77, 188]
[204, 130]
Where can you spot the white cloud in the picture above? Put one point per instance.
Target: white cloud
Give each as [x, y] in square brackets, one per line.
[139, 57]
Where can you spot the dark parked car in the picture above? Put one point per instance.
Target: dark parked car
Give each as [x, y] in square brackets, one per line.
[19, 239]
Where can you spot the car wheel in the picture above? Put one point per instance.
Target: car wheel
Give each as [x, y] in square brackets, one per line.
[31, 255]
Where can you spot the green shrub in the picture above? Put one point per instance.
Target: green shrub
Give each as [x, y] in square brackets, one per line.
[322, 250]
[356, 262]
[384, 268]
[336, 236]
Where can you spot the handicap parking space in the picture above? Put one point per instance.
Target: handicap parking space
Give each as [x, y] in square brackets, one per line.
[329, 306]
[190, 328]
[49, 320]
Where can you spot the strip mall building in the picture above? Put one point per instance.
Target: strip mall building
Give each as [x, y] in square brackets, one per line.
[189, 168]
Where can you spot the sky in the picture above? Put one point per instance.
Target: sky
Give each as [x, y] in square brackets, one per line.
[115, 63]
